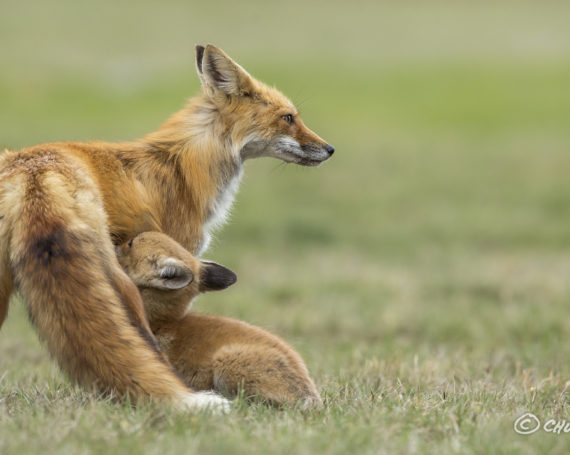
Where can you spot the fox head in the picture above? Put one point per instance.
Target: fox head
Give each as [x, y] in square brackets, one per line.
[168, 276]
[259, 119]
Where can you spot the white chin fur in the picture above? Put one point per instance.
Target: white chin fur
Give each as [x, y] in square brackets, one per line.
[204, 401]
[290, 151]
[284, 148]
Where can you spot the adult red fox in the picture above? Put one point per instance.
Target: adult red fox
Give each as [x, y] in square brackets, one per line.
[211, 352]
[63, 205]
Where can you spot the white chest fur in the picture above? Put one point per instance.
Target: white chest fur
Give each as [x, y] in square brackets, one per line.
[220, 209]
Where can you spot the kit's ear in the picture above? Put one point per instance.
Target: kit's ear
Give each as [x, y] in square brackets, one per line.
[215, 277]
[220, 74]
[170, 274]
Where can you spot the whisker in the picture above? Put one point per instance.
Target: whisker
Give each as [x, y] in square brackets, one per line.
[303, 101]
[276, 167]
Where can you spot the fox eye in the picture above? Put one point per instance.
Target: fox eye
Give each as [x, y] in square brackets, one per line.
[130, 243]
[288, 118]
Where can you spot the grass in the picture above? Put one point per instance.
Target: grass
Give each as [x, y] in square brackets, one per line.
[422, 273]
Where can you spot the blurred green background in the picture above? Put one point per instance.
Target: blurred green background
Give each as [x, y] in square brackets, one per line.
[438, 234]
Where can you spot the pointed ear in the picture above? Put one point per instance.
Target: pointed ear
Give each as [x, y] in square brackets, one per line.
[215, 277]
[199, 58]
[170, 274]
[219, 73]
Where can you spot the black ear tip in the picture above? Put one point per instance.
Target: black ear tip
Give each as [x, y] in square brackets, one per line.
[199, 55]
[224, 277]
[232, 277]
[216, 277]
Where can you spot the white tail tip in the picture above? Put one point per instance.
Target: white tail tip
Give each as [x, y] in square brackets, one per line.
[199, 401]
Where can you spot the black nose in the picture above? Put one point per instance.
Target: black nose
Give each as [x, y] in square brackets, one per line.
[329, 149]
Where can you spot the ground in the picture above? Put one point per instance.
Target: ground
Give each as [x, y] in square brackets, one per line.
[423, 272]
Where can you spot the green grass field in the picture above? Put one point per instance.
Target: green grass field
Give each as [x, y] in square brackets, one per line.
[423, 273]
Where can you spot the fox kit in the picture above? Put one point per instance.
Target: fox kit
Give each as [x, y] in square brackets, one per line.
[62, 205]
[210, 352]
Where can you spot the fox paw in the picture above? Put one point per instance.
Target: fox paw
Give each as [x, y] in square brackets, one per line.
[198, 401]
[312, 403]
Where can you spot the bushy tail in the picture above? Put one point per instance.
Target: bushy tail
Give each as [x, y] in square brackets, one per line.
[85, 309]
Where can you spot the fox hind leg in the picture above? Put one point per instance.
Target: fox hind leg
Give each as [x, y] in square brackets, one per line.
[89, 317]
[265, 374]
